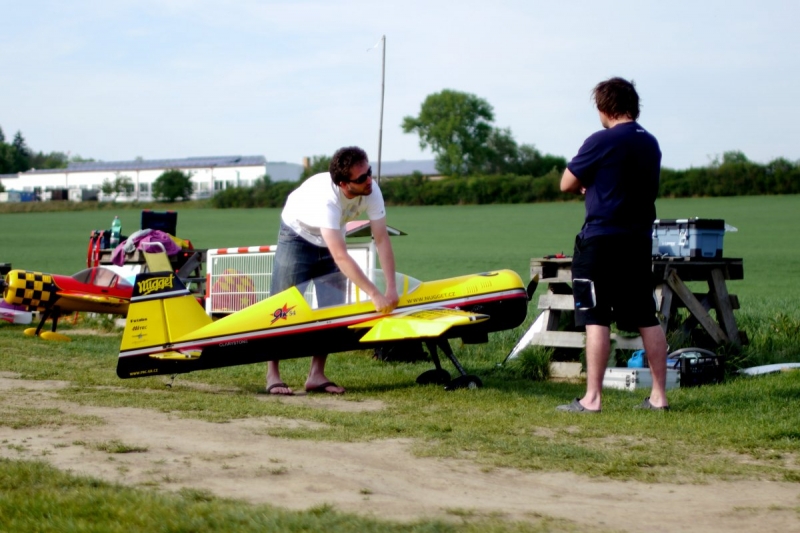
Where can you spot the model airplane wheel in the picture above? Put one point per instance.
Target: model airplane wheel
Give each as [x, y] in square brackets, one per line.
[30, 332]
[464, 382]
[436, 376]
[53, 336]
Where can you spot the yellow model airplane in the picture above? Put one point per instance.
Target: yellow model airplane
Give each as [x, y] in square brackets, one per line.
[168, 332]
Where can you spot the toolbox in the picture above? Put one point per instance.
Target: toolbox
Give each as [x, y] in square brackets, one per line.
[631, 379]
[166, 221]
[699, 238]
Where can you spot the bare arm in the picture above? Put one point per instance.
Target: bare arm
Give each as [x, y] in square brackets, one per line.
[570, 183]
[386, 256]
[335, 243]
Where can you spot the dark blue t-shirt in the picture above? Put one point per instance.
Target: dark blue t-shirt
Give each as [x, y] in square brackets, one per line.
[620, 169]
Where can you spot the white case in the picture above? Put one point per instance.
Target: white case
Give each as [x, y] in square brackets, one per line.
[637, 378]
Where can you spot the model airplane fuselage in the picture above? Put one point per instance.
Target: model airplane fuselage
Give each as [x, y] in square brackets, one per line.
[94, 290]
[168, 332]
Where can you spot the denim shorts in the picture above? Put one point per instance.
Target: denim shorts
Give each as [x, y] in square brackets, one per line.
[297, 261]
[621, 268]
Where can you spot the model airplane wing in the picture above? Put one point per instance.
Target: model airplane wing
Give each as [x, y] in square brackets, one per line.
[98, 298]
[422, 324]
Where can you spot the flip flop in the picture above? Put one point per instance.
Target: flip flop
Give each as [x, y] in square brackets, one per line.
[650, 407]
[322, 388]
[576, 407]
[281, 385]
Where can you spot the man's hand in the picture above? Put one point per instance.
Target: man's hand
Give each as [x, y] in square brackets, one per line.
[385, 303]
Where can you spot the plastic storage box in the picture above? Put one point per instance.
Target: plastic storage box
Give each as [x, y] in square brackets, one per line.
[688, 237]
[637, 378]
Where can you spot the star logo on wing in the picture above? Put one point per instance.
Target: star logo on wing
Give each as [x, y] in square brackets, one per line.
[281, 313]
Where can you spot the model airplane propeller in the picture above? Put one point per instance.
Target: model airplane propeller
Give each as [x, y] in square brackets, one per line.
[168, 332]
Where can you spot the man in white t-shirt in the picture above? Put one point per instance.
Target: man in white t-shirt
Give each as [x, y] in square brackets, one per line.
[311, 244]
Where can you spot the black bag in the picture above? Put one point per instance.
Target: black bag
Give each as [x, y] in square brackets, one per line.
[697, 366]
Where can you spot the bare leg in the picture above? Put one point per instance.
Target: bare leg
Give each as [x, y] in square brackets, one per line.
[655, 346]
[316, 375]
[598, 347]
[273, 377]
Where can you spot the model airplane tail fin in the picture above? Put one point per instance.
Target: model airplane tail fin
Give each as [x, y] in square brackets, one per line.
[162, 309]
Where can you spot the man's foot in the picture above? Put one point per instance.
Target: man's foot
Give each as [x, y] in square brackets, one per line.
[576, 407]
[328, 387]
[279, 389]
[650, 407]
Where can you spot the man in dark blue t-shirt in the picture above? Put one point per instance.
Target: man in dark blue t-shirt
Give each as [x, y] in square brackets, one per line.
[618, 170]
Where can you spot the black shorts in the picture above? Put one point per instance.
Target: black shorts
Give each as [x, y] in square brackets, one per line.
[621, 268]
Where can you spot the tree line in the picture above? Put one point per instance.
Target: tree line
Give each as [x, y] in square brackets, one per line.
[731, 175]
[478, 163]
[17, 156]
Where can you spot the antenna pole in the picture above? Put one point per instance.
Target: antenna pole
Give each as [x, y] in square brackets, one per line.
[380, 128]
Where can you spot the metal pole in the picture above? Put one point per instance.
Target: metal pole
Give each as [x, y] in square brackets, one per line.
[380, 129]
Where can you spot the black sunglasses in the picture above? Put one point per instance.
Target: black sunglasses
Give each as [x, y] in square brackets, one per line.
[363, 177]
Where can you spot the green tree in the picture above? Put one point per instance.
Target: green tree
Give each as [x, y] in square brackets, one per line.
[531, 162]
[733, 157]
[171, 185]
[51, 160]
[502, 152]
[120, 185]
[6, 159]
[457, 127]
[20, 153]
[318, 163]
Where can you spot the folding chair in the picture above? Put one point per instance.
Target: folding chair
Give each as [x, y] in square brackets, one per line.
[157, 261]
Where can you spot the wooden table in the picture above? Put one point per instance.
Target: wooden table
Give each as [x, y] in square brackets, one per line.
[670, 276]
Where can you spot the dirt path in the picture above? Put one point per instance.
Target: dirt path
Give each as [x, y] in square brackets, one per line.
[381, 478]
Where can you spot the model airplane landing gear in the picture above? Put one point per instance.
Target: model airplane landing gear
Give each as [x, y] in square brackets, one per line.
[51, 335]
[439, 376]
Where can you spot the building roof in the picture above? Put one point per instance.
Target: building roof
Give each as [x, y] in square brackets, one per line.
[187, 162]
[284, 171]
[389, 169]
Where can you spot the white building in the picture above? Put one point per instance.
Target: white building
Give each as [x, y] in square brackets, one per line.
[208, 174]
[82, 181]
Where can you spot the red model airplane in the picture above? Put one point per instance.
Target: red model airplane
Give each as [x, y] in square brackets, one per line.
[94, 290]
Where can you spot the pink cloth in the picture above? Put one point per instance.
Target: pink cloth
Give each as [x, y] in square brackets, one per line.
[118, 256]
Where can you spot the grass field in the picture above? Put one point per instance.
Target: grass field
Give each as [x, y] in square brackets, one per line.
[745, 429]
[454, 240]
[442, 241]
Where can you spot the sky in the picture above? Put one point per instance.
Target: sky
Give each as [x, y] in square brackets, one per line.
[157, 79]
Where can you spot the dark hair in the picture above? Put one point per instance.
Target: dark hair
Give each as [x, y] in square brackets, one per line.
[343, 162]
[617, 97]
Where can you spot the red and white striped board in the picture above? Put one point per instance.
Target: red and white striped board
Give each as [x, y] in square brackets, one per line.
[239, 277]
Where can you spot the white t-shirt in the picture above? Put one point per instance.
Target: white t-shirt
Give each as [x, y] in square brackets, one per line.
[318, 203]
